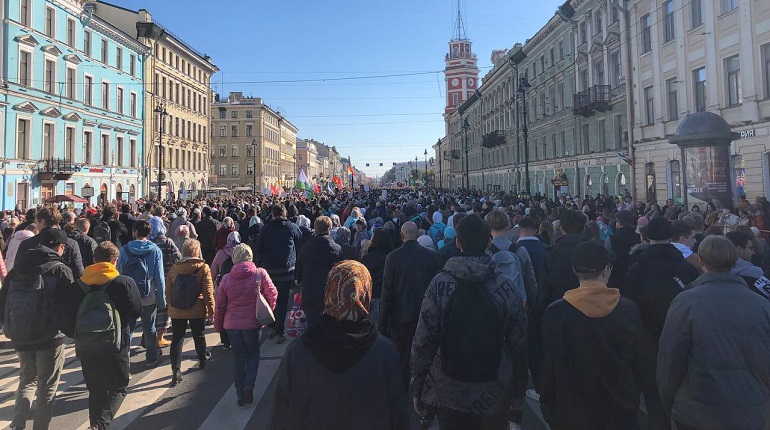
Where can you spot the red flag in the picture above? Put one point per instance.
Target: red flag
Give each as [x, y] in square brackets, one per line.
[273, 189]
[316, 188]
[337, 181]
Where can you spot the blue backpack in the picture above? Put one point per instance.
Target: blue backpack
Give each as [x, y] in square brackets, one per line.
[136, 268]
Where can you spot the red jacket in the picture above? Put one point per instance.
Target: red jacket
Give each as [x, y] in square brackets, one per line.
[220, 237]
[236, 297]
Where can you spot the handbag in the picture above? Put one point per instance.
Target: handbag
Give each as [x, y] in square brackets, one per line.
[264, 313]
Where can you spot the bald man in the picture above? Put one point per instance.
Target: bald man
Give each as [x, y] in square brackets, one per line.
[408, 271]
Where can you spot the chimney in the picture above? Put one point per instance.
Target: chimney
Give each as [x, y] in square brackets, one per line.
[236, 96]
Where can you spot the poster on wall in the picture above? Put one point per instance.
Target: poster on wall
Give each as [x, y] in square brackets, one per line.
[707, 176]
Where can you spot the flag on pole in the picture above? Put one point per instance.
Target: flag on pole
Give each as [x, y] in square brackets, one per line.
[316, 188]
[337, 181]
[350, 171]
[330, 188]
[625, 158]
[302, 181]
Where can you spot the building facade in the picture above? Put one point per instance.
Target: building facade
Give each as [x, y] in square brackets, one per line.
[693, 56]
[73, 107]
[307, 158]
[178, 96]
[248, 140]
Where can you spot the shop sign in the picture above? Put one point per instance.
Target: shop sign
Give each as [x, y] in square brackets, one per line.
[745, 134]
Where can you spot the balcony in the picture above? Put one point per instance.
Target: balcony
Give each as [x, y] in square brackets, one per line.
[456, 154]
[55, 168]
[592, 100]
[493, 139]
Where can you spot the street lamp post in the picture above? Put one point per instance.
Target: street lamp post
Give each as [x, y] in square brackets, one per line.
[523, 87]
[466, 126]
[254, 166]
[426, 167]
[440, 156]
[160, 110]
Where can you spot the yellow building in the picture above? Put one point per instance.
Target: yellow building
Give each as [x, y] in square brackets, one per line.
[177, 100]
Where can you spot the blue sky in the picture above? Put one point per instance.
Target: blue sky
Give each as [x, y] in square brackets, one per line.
[382, 120]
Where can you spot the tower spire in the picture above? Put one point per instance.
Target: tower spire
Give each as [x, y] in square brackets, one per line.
[460, 35]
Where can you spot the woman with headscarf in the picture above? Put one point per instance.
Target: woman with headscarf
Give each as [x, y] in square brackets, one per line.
[349, 251]
[190, 264]
[220, 237]
[355, 371]
[436, 231]
[170, 256]
[182, 234]
[236, 309]
[449, 234]
[224, 254]
[303, 223]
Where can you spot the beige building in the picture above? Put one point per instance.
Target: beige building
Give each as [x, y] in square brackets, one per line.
[251, 143]
[177, 98]
[307, 158]
[692, 56]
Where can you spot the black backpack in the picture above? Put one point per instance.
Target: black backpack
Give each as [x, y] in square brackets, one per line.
[226, 267]
[185, 291]
[28, 307]
[472, 334]
[102, 232]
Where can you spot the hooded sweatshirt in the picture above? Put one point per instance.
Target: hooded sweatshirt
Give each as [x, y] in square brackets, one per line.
[121, 290]
[753, 276]
[13, 246]
[154, 259]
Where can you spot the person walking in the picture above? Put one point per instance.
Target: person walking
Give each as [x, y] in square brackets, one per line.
[86, 244]
[374, 260]
[713, 362]
[408, 272]
[225, 228]
[190, 298]
[315, 261]
[39, 281]
[206, 229]
[620, 243]
[236, 307]
[106, 373]
[142, 261]
[48, 218]
[469, 354]
[171, 255]
[276, 253]
[591, 385]
[181, 220]
[223, 260]
[355, 370]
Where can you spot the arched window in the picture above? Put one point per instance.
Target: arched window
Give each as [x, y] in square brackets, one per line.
[675, 181]
[589, 185]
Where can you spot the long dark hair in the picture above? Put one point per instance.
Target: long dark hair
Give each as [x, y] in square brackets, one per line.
[381, 241]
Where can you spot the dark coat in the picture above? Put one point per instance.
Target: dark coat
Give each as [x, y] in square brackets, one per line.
[117, 231]
[588, 379]
[536, 250]
[408, 271]
[448, 251]
[71, 256]
[206, 229]
[128, 222]
[374, 260]
[556, 275]
[276, 247]
[171, 254]
[86, 244]
[621, 243]
[315, 261]
[714, 358]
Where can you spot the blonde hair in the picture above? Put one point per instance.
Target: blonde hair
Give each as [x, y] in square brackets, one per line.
[498, 220]
[242, 253]
[717, 254]
[356, 212]
[323, 224]
[191, 248]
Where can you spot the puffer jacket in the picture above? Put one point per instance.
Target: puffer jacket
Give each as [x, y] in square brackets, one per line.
[204, 308]
[429, 382]
[179, 221]
[87, 246]
[236, 297]
[13, 246]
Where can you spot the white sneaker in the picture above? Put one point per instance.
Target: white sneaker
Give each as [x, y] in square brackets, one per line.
[514, 426]
[532, 394]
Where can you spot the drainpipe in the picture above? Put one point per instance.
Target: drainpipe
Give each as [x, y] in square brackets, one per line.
[630, 109]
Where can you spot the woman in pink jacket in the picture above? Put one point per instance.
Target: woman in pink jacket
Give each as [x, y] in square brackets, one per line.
[236, 312]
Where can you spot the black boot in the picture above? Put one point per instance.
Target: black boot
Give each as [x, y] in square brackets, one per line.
[204, 360]
[240, 399]
[248, 396]
[176, 378]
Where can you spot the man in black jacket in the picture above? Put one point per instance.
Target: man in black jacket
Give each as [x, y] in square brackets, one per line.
[106, 376]
[127, 220]
[659, 274]
[315, 261]
[117, 229]
[206, 229]
[621, 243]
[45, 219]
[38, 337]
[408, 271]
[276, 253]
[86, 244]
[591, 384]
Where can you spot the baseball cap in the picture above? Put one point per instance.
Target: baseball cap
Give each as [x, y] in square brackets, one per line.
[590, 257]
[53, 237]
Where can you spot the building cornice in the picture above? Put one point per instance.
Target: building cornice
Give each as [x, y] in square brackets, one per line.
[117, 35]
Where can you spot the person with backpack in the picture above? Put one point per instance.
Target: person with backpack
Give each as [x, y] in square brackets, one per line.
[142, 261]
[236, 308]
[500, 224]
[37, 310]
[112, 300]
[171, 255]
[109, 228]
[592, 350]
[180, 220]
[47, 218]
[190, 298]
[469, 354]
[223, 261]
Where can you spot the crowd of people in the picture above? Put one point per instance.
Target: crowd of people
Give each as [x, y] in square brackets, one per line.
[458, 304]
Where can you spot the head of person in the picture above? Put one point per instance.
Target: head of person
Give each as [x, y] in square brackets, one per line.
[55, 239]
[682, 232]
[744, 244]
[426, 242]
[233, 238]
[206, 212]
[473, 235]
[182, 232]
[355, 212]
[228, 223]
[437, 217]
[624, 219]
[47, 217]
[335, 220]
[695, 208]
[715, 230]
[141, 229]
[278, 211]
[106, 252]
[191, 248]
[717, 254]
[527, 227]
[696, 220]
[242, 253]
[322, 225]
[157, 227]
[572, 222]
[348, 291]
[67, 217]
[82, 225]
[343, 235]
[381, 241]
[498, 221]
[409, 231]
[659, 230]
[360, 224]
[303, 221]
[591, 261]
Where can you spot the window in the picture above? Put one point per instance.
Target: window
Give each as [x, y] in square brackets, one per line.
[132, 64]
[120, 100]
[132, 153]
[22, 139]
[87, 42]
[561, 49]
[71, 32]
[728, 5]
[105, 96]
[234, 170]
[668, 20]
[133, 105]
[222, 131]
[561, 96]
[645, 24]
[104, 51]
[563, 140]
[649, 105]
[614, 14]
[119, 58]
[222, 151]
[119, 152]
[601, 135]
[71, 83]
[25, 68]
[765, 67]
[617, 131]
[616, 66]
[696, 13]
[249, 151]
[69, 143]
[222, 169]
[105, 150]
[234, 151]
[88, 142]
[234, 131]
[50, 76]
[599, 72]
[88, 90]
[24, 12]
[699, 88]
[50, 18]
[234, 114]
[598, 22]
[673, 109]
[542, 63]
[553, 57]
[454, 99]
[249, 169]
[249, 128]
[585, 139]
[222, 113]
[49, 150]
[733, 77]
[583, 33]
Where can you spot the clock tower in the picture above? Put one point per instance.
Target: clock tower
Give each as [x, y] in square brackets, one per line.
[461, 73]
